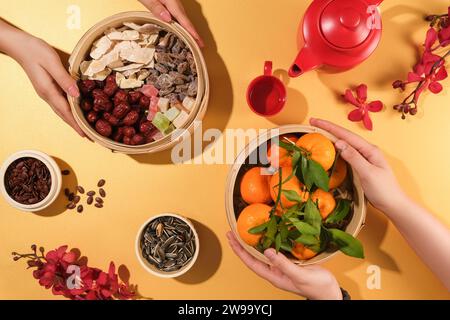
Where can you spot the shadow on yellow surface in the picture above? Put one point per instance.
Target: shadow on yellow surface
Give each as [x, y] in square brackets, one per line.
[209, 258]
[70, 181]
[221, 96]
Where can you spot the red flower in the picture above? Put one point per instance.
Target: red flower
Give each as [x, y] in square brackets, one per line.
[363, 108]
[92, 283]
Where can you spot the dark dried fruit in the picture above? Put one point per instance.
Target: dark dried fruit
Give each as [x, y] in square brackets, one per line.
[92, 116]
[144, 102]
[118, 134]
[137, 139]
[110, 85]
[86, 86]
[103, 128]
[80, 208]
[102, 192]
[146, 127]
[135, 96]
[121, 110]
[27, 181]
[86, 105]
[111, 119]
[101, 183]
[129, 132]
[120, 96]
[131, 118]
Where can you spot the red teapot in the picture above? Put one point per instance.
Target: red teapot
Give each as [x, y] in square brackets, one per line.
[338, 34]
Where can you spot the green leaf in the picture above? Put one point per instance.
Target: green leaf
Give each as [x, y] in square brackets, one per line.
[278, 242]
[258, 229]
[292, 211]
[272, 228]
[340, 212]
[296, 155]
[305, 228]
[307, 240]
[312, 215]
[318, 175]
[306, 177]
[294, 234]
[292, 196]
[288, 146]
[347, 243]
[284, 232]
[286, 246]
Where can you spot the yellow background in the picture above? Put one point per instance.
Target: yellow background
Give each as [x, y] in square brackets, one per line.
[239, 36]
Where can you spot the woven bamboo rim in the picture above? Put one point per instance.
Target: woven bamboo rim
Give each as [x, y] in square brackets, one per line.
[360, 207]
[80, 52]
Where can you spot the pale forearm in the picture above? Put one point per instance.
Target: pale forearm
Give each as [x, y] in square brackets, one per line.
[428, 237]
[11, 40]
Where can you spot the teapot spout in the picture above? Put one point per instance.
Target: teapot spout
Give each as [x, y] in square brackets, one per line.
[305, 61]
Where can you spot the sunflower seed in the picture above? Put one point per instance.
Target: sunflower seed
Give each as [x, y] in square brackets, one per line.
[168, 243]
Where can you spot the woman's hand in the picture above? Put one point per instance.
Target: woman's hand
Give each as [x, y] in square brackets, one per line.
[44, 68]
[165, 9]
[378, 181]
[312, 282]
[50, 79]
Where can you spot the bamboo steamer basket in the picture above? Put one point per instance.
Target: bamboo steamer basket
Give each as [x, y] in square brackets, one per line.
[232, 191]
[81, 51]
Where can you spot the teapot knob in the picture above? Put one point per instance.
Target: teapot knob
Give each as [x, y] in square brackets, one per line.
[350, 18]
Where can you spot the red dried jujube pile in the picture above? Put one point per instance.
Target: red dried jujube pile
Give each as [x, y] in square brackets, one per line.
[118, 114]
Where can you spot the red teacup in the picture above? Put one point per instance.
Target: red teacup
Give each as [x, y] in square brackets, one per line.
[266, 95]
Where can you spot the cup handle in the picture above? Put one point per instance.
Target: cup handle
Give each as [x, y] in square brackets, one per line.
[268, 68]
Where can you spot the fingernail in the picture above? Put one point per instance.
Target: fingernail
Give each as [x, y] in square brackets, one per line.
[341, 145]
[166, 16]
[270, 253]
[73, 91]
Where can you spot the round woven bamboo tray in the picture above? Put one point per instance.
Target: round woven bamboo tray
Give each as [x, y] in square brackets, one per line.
[359, 211]
[82, 50]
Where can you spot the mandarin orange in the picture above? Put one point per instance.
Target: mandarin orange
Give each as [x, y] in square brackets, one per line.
[321, 148]
[325, 200]
[254, 186]
[302, 253]
[252, 216]
[339, 174]
[292, 184]
[278, 156]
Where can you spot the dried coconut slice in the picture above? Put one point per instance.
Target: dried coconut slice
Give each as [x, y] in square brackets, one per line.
[101, 75]
[128, 67]
[130, 83]
[138, 55]
[100, 47]
[143, 74]
[110, 58]
[119, 78]
[95, 67]
[146, 28]
[127, 35]
[131, 73]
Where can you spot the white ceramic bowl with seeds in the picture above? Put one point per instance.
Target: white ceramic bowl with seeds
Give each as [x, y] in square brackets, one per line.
[55, 173]
[152, 268]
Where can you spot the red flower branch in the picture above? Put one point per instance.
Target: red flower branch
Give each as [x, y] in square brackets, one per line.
[431, 68]
[67, 275]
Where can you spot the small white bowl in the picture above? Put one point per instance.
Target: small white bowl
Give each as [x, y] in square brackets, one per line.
[152, 269]
[55, 173]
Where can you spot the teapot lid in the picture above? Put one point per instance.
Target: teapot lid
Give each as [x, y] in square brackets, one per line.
[346, 23]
